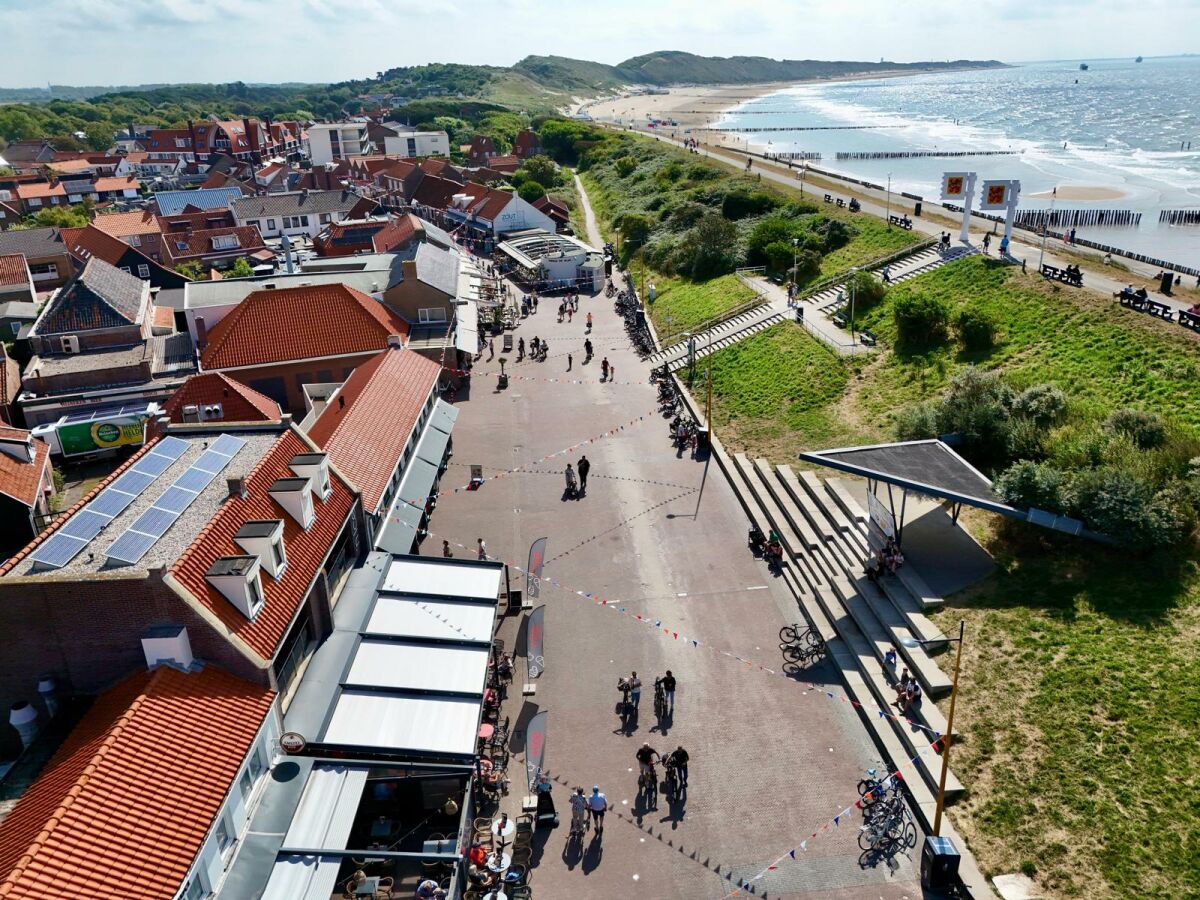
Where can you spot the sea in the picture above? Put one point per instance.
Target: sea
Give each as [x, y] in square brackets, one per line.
[1131, 126]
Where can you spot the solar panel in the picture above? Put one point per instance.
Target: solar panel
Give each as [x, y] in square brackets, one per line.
[152, 524]
[110, 502]
[194, 480]
[154, 521]
[133, 482]
[170, 446]
[211, 461]
[85, 524]
[228, 445]
[58, 550]
[130, 546]
[175, 499]
[153, 464]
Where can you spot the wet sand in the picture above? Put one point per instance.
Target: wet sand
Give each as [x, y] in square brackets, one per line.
[1081, 192]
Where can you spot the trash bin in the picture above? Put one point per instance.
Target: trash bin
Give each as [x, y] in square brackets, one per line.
[917, 208]
[1168, 279]
[702, 438]
[939, 863]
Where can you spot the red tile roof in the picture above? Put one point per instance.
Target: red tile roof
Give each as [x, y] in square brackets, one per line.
[200, 243]
[13, 269]
[238, 402]
[114, 183]
[126, 803]
[506, 163]
[88, 242]
[302, 323]
[391, 388]
[306, 550]
[40, 189]
[124, 224]
[23, 481]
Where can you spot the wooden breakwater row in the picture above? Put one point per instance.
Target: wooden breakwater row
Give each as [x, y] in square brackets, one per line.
[798, 154]
[1180, 216]
[745, 130]
[917, 154]
[1076, 218]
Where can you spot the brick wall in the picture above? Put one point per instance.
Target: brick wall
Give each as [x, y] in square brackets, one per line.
[88, 634]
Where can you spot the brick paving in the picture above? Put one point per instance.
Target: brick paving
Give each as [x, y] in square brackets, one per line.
[769, 762]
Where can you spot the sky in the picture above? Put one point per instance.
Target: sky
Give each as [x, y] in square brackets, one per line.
[105, 42]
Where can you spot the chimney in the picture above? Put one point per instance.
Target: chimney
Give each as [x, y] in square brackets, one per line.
[168, 644]
[23, 716]
[237, 488]
[201, 334]
[48, 689]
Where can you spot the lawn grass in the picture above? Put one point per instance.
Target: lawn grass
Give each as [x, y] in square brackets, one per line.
[691, 303]
[1079, 704]
[776, 392]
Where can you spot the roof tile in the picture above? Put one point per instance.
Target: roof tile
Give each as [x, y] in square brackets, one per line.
[239, 403]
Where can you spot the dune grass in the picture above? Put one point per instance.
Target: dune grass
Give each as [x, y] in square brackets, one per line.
[681, 305]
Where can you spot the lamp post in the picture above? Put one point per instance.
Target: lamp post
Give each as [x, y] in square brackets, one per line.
[803, 172]
[1046, 229]
[795, 262]
[889, 200]
[853, 272]
[948, 737]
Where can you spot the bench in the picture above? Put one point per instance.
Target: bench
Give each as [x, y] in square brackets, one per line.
[840, 320]
[868, 338]
[1189, 320]
[841, 202]
[1056, 274]
[1130, 300]
[1161, 310]
[902, 221]
[829, 198]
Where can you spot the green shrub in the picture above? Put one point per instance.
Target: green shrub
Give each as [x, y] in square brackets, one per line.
[977, 410]
[917, 423]
[1128, 510]
[1028, 484]
[1145, 429]
[976, 328]
[1044, 405]
[709, 249]
[740, 203]
[684, 216]
[531, 191]
[625, 166]
[868, 290]
[921, 321]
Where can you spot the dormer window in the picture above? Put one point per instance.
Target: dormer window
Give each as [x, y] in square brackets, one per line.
[264, 538]
[295, 496]
[239, 579]
[314, 466]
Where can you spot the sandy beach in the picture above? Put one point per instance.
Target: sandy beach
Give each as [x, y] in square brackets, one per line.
[1082, 193]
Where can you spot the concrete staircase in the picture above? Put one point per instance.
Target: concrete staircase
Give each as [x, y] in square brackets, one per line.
[924, 260]
[728, 332]
[822, 529]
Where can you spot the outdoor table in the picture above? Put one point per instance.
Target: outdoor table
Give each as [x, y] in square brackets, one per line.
[504, 833]
[445, 845]
[495, 895]
[501, 864]
[486, 730]
[368, 887]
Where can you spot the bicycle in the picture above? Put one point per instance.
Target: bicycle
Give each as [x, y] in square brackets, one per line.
[672, 783]
[648, 780]
[791, 634]
[660, 699]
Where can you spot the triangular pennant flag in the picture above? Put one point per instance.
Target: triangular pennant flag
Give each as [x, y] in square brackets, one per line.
[792, 853]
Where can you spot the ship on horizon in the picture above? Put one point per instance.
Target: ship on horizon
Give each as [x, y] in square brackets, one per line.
[1083, 67]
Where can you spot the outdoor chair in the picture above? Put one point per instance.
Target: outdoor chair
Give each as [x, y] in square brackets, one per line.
[384, 888]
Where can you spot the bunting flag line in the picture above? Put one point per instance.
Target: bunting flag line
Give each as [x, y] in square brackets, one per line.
[750, 664]
[419, 502]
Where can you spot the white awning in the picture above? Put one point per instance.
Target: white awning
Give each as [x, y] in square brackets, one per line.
[366, 719]
[416, 667]
[303, 878]
[325, 815]
[432, 447]
[417, 485]
[444, 415]
[400, 528]
[442, 579]
[437, 619]
[466, 332]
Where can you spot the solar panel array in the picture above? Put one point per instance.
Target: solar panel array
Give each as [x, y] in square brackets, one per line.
[62, 546]
[136, 540]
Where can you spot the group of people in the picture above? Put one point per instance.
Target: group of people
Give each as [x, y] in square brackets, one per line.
[570, 306]
[908, 691]
[578, 486]
[889, 559]
[647, 757]
[584, 809]
[1139, 294]
[537, 349]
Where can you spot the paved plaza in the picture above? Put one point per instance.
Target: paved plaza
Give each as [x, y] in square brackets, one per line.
[772, 758]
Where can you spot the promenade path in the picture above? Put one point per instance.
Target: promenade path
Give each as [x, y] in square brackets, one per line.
[773, 759]
[1024, 246]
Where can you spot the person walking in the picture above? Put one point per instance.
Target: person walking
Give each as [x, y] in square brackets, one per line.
[446, 551]
[887, 274]
[612, 373]
[482, 550]
[587, 350]
[579, 805]
[569, 361]
[604, 369]
[987, 241]
[635, 689]
[668, 686]
[584, 467]
[597, 805]
[572, 488]
[679, 759]
[491, 349]
[520, 349]
[589, 321]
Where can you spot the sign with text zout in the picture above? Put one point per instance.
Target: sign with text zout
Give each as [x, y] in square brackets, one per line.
[999, 195]
[955, 186]
[105, 434]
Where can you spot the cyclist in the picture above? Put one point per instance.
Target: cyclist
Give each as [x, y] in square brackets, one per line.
[647, 757]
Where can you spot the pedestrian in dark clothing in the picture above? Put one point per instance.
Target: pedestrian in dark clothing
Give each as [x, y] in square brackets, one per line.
[521, 348]
[569, 362]
[446, 551]
[584, 467]
[604, 368]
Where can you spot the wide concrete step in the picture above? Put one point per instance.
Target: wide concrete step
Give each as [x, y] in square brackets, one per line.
[909, 606]
[925, 596]
[844, 543]
[895, 632]
[816, 518]
[910, 743]
[679, 359]
[803, 528]
[793, 545]
[846, 501]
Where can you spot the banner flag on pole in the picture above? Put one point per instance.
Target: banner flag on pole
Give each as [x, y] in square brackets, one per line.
[533, 571]
[533, 642]
[535, 748]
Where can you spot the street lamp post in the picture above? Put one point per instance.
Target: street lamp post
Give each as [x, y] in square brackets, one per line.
[853, 272]
[795, 263]
[889, 200]
[948, 737]
[1046, 229]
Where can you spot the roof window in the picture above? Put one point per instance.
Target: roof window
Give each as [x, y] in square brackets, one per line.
[264, 538]
[239, 579]
[295, 496]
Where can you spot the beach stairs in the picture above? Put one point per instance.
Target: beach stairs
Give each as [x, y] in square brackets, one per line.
[823, 531]
[729, 332]
[919, 262]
